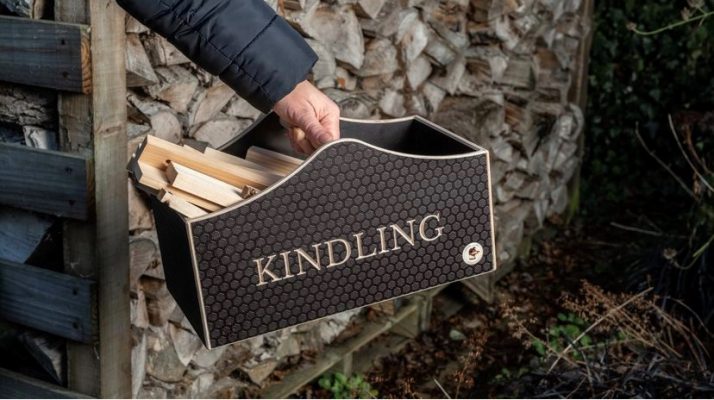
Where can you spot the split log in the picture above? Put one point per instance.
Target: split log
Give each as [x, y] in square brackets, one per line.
[139, 214]
[21, 232]
[413, 40]
[241, 162]
[181, 206]
[294, 4]
[323, 72]
[139, 71]
[163, 53]
[202, 185]
[339, 30]
[134, 26]
[40, 138]
[163, 119]
[240, 108]
[345, 80]
[22, 106]
[34, 9]
[272, 159]
[176, 87]
[48, 351]
[156, 179]
[301, 19]
[392, 104]
[155, 152]
[209, 103]
[369, 8]
[219, 131]
[454, 72]
[380, 59]
[418, 72]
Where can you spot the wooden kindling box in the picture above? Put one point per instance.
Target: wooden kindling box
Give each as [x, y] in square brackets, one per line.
[392, 208]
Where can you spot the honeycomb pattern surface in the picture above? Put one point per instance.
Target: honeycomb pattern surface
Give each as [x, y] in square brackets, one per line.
[347, 189]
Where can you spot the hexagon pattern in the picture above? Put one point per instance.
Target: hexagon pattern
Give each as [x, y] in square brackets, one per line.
[347, 189]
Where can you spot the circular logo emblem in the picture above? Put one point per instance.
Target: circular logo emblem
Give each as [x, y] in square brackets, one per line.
[473, 253]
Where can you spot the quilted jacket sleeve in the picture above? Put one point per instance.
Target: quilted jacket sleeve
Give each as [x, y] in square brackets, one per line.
[243, 42]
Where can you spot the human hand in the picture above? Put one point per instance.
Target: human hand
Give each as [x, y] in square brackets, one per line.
[311, 117]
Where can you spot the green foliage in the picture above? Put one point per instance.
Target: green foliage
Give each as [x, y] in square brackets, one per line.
[342, 387]
[639, 80]
[562, 334]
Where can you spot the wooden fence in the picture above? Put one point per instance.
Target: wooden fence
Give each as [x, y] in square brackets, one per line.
[81, 55]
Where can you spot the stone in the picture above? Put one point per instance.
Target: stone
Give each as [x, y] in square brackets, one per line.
[339, 30]
[456, 335]
[219, 131]
[380, 59]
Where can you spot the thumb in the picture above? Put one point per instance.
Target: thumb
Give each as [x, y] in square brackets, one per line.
[314, 131]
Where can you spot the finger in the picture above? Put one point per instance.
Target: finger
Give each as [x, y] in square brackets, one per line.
[315, 132]
[293, 144]
[302, 141]
[331, 122]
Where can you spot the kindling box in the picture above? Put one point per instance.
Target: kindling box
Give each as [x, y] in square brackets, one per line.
[392, 208]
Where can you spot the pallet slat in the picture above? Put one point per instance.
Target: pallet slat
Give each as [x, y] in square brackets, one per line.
[48, 54]
[46, 300]
[18, 386]
[46, 181]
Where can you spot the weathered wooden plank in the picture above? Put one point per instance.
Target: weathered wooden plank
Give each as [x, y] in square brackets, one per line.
[75, 135]
[332, 356]
[46, 300]
[18, 386]
[46, 181]
[46, 54]
[96, 126]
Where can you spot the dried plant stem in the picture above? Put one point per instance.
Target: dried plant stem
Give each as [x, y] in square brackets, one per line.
[662, 163]
[686, 157]
[673, 25]
[596, 323]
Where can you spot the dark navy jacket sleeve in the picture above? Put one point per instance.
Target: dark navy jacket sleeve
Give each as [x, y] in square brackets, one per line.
[243, 42]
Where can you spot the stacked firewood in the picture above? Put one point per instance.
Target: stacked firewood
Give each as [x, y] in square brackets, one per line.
[497, 72]
[195, 183]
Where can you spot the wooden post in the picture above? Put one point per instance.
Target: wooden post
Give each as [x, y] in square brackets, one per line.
[95, 125]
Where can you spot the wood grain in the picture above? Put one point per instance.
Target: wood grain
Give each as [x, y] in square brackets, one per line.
[18, 386]
[273, 160]
[201, 185]
[157, 153]
[46, 300]
[48, 54]
[46, 181]
[156, 179]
